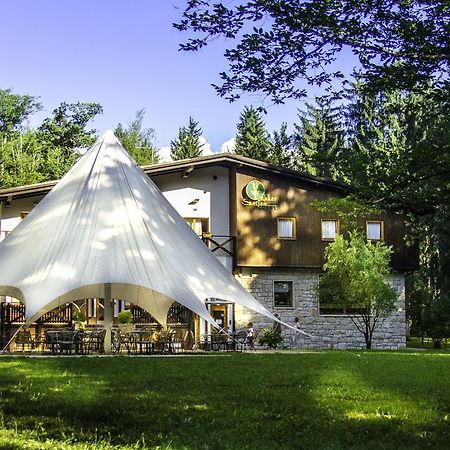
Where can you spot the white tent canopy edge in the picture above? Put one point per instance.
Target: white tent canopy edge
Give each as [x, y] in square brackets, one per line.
[106, 223]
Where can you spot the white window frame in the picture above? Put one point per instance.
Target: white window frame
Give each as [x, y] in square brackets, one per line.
[293, 221]
[336, 229]
[381, 224]
[292, 294]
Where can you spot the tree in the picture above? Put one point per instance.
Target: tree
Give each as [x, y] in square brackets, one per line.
[280, 150]
[355, 279]
[319, 142]
[279, 42]
[399, 149]
[14, 111]
[20, 161]
[252, 139]
[138, 141]
[64, 135]
[188, 144]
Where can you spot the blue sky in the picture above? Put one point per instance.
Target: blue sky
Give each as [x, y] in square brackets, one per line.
[123, 55]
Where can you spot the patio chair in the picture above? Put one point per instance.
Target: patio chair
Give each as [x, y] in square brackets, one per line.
[24, 342]
[52, 341]
[67, 341]
[241, 340]
[178, 341]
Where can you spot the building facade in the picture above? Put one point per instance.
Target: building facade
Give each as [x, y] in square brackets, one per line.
[258, 220]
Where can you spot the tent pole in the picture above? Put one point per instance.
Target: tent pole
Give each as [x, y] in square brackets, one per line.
[6, 347]
[107, 317]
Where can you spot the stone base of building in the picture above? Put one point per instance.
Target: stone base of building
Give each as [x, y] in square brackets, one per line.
[326, 331]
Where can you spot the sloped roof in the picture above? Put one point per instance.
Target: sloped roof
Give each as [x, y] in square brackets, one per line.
[222, 159]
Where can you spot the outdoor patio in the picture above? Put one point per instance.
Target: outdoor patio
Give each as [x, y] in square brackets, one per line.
[142, 341]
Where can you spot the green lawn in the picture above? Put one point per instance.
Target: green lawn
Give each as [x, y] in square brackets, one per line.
[304, 400]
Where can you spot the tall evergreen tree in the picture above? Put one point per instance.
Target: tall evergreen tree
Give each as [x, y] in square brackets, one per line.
[399, 157]
[138, 141]
[187, 145]
[319, 141]
[252, 139]
[280, 150]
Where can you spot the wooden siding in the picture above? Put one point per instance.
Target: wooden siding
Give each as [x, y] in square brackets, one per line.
[257, 242]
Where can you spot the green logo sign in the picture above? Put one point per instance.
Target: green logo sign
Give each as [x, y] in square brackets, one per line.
[255, 190]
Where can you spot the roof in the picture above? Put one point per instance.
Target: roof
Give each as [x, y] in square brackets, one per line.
[221, 159]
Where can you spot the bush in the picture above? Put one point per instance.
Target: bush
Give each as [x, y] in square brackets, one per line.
[271, 338]
[125, 317]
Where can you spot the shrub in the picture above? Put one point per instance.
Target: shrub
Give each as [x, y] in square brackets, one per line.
[271, 338]
[125, 317]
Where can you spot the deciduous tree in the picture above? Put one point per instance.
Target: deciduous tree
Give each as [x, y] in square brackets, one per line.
[355, 278]
[64, 135]
[277, 43]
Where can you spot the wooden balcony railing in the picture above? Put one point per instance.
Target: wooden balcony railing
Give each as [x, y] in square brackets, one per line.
[221, 245]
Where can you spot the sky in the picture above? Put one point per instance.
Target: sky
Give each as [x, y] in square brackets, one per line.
[124, 55]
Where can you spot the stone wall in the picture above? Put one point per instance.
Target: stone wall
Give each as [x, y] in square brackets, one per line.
[327, 331]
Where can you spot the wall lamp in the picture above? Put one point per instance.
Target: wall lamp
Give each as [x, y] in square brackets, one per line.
[186, 172]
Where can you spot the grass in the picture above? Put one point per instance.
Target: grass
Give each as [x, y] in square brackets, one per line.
[309, 400]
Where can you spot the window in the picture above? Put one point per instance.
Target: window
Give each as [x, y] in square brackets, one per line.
[286, 228]
[375, 230]
[282, 294]
[330, 229]
[328, 308]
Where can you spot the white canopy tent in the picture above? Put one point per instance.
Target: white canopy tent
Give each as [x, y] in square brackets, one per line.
[106, 231]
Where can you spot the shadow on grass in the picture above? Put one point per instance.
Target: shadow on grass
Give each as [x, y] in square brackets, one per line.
[328, 400]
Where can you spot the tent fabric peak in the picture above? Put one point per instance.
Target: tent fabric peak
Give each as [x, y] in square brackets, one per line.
[106, 223]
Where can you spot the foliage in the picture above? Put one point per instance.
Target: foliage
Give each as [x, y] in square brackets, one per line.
[355, 277]
[252, 139]
[319, 141]
[188, 144]
[138, 141]
[21, 160]
[64, 135]
[399, 44]
[270, 338]
[388, 400]
[399, 157]
[125, 316]
[14, 111]
[350, 210]
[79, 318]
[436, 320]
[281, 148]
[399, 152]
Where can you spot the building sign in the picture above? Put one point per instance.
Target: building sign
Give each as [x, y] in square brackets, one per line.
[254, 194]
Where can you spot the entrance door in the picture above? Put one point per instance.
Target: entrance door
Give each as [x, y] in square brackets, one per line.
[219, 314]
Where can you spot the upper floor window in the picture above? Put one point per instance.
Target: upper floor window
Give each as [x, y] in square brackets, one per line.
[282, 294]
[330, 229]
[286, 228]
[375, 230]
